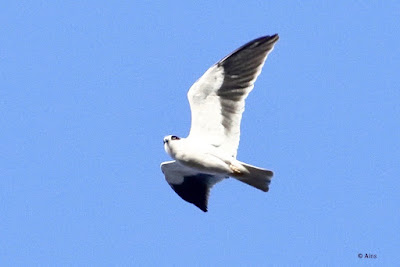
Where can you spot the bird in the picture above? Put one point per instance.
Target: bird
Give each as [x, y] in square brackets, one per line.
[208, 154]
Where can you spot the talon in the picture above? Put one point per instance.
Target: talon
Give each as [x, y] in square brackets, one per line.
[235, 169]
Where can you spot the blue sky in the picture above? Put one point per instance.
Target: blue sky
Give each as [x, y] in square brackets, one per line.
[89, 89]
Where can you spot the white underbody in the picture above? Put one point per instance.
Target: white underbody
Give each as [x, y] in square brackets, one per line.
[202, 157]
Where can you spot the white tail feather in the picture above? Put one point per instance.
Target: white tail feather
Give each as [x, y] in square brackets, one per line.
[254, 176]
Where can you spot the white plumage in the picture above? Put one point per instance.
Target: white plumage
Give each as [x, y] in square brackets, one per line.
[217, 101]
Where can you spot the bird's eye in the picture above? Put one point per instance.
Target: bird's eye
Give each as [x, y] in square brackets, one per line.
[174, 137]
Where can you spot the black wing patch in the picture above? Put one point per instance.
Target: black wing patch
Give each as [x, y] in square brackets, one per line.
[241, 66]
[195, 189]
[241, 69]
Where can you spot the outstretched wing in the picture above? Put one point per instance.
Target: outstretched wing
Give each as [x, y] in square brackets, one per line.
[194, 187]
[217, 99]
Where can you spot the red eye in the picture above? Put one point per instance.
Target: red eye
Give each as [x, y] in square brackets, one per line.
[174, 137]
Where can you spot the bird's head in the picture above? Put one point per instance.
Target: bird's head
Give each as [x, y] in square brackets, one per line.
[169, 141]
[170, 138]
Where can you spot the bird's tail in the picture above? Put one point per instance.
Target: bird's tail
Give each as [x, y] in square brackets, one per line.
[254, 176]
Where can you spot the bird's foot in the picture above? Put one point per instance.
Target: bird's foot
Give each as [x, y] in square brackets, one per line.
[235, 169]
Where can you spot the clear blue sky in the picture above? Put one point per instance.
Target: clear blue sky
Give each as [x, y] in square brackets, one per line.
[88, 90]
